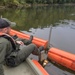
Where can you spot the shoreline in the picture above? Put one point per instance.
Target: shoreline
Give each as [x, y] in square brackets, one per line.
[30, 5]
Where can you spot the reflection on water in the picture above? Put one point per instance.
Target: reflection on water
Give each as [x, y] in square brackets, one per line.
[37, 21]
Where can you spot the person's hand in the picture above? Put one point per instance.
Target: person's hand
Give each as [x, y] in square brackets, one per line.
[20, 42]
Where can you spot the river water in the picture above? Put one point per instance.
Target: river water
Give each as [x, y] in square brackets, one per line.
[38, 21]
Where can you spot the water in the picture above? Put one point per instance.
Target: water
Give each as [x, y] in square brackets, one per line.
[38, 20]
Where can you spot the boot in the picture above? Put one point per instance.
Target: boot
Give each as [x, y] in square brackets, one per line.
[41, 48]
[38, 51]
[27, 42]
[31, 38]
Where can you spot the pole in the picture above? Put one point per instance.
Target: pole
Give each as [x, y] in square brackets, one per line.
[49, 39]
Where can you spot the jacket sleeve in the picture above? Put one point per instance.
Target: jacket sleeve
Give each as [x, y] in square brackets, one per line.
[3, 47]
[1, 70]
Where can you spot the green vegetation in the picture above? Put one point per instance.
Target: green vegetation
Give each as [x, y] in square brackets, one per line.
[11, 3]
[25, 2]
[28, 3]
[50, 1]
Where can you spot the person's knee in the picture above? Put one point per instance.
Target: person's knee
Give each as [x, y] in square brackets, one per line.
[33, 45]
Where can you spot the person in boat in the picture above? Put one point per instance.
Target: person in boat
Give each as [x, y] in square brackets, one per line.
[13, 50]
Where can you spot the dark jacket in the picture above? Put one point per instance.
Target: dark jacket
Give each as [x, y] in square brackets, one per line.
[5, 49]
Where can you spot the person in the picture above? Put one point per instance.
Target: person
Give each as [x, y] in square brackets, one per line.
[14, 50]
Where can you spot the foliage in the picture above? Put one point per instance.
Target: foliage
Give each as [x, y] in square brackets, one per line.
[50, 1]
[17, 2]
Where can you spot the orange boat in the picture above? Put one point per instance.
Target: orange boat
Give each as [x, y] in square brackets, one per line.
[64, 58]
[30, 66]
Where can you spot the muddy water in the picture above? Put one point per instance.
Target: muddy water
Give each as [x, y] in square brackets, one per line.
[38, 21]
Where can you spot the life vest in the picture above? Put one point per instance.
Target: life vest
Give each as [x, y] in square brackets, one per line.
[9, 38]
